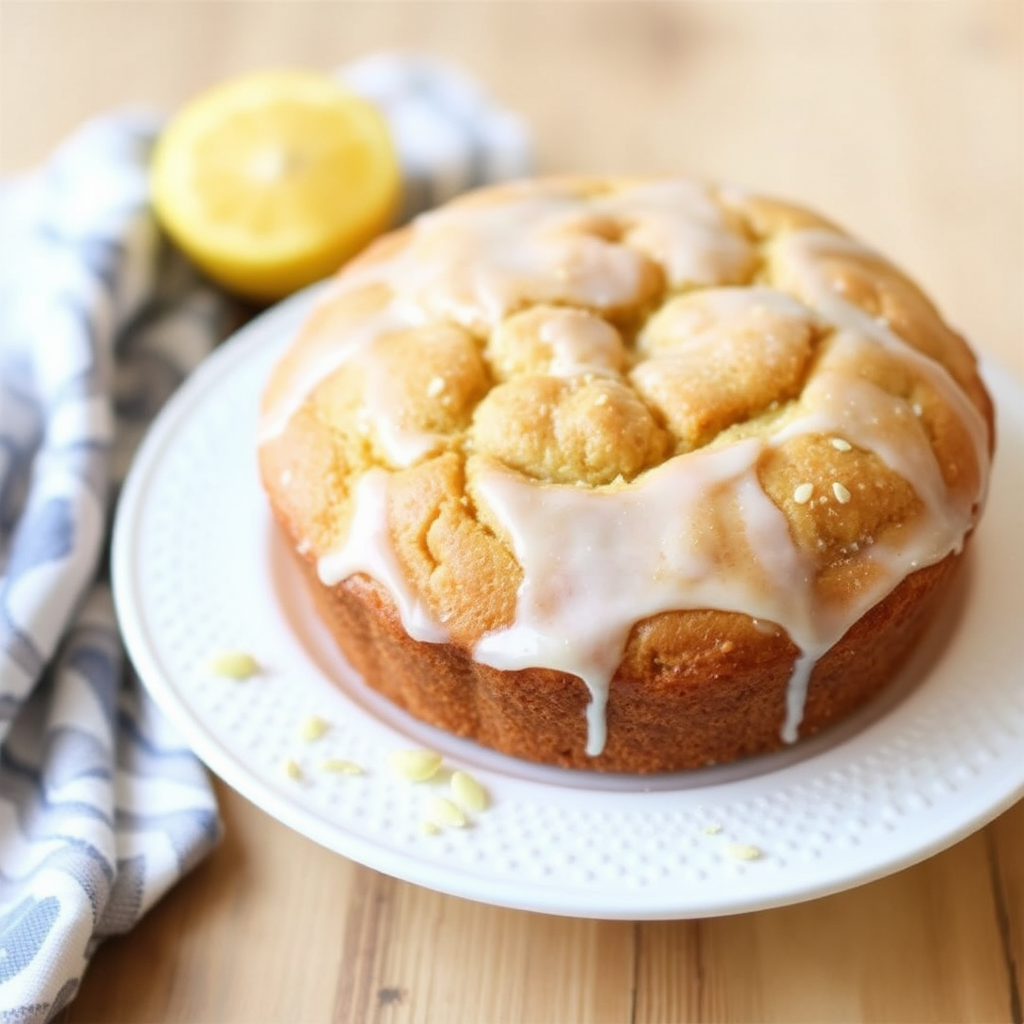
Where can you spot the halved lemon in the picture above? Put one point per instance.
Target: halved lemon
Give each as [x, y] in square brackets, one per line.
[271, 181]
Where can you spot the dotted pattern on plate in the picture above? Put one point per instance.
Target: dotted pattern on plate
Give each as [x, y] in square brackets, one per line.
[194, 576]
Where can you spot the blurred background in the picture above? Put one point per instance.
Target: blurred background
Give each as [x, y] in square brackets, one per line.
[880, 114]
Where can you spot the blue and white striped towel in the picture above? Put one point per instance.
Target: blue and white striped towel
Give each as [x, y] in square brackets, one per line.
[102, 809]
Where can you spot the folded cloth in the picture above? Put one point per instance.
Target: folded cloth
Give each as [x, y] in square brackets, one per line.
[449, 134]
[102, 808]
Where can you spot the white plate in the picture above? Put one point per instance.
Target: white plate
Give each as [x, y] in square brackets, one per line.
[198, 569]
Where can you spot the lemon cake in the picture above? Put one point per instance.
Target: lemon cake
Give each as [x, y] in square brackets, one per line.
[625, 474]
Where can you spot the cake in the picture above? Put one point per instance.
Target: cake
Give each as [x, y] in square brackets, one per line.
[634, 475]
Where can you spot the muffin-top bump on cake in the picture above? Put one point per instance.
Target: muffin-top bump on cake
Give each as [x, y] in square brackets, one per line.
[558, 340]
[714, 358]
[582, 430]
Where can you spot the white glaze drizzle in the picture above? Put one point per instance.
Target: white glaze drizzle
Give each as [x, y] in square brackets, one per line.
[329, 352]
[804, 249]
[711, 537]
[403, 445]
[580, 344]
[475, 264]
[586, 579]
[692, 315]
[680, 226]
[368, 549]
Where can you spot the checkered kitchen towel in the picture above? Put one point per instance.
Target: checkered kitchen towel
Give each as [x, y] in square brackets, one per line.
[102, 809]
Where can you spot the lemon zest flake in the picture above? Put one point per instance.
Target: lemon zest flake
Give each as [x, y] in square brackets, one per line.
[443, 812]
[416, 765]
[743, 851]
[236, 665]
[468, 792]
[340, 766]
[313, 728]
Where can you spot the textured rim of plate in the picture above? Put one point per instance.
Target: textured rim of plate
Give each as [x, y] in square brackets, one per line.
[917, 771]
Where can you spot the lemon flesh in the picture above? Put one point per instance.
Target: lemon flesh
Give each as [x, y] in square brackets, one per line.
[272, 181]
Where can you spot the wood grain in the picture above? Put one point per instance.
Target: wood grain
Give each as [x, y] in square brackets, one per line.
[903, 121]
[884, 952]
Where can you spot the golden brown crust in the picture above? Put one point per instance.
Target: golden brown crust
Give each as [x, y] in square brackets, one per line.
[694, 689]
[619, 354]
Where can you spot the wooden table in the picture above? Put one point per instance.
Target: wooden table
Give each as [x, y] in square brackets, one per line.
[903, 121]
